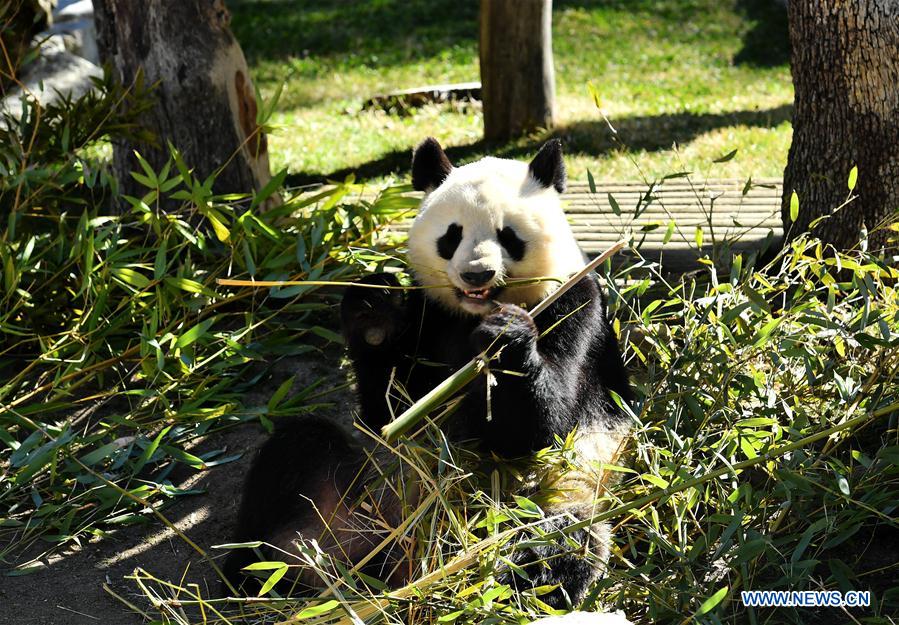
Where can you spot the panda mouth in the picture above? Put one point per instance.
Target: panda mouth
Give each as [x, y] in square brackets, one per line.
[479, 295]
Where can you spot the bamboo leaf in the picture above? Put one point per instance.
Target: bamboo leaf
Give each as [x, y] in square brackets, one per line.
[273, 579]
[315, 610]
[669, 232]
[270, 187]
[192, 335]
[131, 277]
[726, 157]
[709, 604]
[614, 204]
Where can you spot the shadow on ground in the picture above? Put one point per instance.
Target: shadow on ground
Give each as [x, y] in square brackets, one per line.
[767, 42]
[388, 32]
[587, 138]
[70, 590]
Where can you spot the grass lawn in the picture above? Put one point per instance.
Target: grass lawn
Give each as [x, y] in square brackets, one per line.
[708, 75]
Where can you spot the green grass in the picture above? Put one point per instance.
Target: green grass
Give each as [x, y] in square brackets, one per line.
[711, 76]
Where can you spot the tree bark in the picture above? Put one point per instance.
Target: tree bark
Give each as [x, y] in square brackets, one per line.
[204, 102]
[517, 76]
[845, 62]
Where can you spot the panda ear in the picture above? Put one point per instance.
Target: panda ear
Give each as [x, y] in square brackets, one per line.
[430, 165]
[547, 168]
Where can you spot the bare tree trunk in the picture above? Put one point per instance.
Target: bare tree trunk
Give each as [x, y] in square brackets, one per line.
[845, 63]
[517, 76]
[205, 103]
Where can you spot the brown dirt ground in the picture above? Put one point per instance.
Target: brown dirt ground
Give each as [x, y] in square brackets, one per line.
[69, 591]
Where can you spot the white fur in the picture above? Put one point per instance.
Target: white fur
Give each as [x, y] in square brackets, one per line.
[484, 197]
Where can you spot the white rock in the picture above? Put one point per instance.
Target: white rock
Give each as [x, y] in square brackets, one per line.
[55, 71]
[73, 10]
[585, 618]
[80, 38]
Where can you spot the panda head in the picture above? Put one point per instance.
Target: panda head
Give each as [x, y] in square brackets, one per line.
[486, 223]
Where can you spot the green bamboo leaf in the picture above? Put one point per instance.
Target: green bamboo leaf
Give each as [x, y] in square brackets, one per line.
[221, 231]
[147, 182]
[270, 187]
[726, 157]
[99, 454]
[131, 277]
[193, 334]
[806, 538]
[765, 331]
[614, 204]
[794, 206]
[669, 232]
[253, 544]
[159, 263]
[591, 183]
[151, 175]
[709, 604]
[273, 579]
[853, 177]
[190, 286]
[327, 334]
[184, 456]
[698, 236]
[279, 394]
[316, 610]
[150, 450]
[267, 565]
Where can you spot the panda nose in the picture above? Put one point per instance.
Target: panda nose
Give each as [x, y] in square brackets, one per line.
[478, 278]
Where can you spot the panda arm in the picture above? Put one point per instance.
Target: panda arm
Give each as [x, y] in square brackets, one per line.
[547, 364]
[376, 324]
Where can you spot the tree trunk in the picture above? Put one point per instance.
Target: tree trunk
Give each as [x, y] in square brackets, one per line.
[845, 63]
[204, 102]
[517, 76]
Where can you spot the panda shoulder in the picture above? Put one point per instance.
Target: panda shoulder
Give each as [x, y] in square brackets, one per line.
[588, 291]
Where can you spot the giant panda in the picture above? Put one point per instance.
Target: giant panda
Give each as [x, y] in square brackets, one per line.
[480, 226]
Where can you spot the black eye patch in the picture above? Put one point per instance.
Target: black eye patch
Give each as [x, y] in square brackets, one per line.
[447, 244]
[509, 240]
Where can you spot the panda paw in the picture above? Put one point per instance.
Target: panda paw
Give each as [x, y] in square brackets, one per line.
[509, 330]
[371, 317]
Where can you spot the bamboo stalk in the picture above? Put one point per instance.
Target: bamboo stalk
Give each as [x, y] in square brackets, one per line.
[446, 389]
[364, 285]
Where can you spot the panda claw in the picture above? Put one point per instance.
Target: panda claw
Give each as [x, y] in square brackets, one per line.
[375, 336]
[507, 326]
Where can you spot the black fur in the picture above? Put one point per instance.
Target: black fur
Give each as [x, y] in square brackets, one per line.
[509, 240]
[568, 372]
[430, 165]
[306, 481]
[287, 476]
[548, 168]
[449, 242]
[568, 375]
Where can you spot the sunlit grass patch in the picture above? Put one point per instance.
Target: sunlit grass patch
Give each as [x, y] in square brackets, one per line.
[649, 61]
